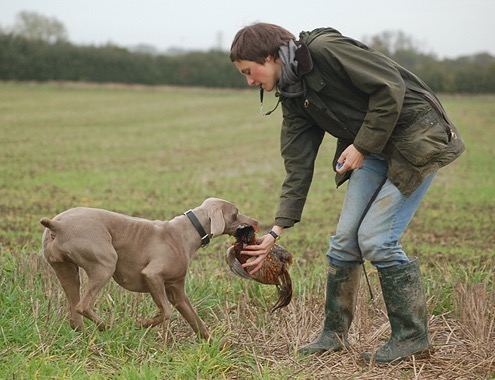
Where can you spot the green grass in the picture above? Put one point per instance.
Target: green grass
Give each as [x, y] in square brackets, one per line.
[155, 153]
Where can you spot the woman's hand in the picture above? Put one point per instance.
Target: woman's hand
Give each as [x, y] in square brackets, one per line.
[259, 250]
[350, 159]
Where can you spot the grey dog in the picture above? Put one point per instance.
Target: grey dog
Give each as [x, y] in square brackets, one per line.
[141, 255]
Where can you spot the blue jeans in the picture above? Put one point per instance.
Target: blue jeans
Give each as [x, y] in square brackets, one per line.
[377, 238]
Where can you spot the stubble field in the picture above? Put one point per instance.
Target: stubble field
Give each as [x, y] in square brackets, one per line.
[157, 152]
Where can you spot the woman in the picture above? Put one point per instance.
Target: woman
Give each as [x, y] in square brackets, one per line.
[392, 137]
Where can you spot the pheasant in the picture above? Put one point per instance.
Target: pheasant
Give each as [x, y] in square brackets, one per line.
[275, 268]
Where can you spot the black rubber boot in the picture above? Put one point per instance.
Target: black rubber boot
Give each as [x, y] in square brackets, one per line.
[341, 296]
[406, 308]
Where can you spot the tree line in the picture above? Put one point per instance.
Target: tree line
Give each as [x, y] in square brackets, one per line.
[24, 59]
[28, 59]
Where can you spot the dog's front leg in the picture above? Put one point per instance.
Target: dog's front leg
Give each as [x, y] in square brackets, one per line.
[179, 299]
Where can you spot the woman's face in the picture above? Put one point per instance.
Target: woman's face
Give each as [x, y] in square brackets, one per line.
[264, 75]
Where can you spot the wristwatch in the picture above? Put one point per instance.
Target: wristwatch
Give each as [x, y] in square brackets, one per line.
[274, 234]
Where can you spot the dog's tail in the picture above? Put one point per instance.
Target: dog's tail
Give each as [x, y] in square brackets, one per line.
[50, 224]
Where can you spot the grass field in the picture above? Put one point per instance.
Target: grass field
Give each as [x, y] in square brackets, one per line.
[157, 152]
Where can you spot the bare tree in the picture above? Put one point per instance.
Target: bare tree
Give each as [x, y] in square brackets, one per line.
[392, 42]
[34, 26]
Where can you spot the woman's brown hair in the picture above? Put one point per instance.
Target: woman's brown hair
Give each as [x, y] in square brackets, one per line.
[257, 41]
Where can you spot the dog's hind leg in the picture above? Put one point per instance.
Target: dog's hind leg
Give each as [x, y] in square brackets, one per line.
[68, 275]
[98, 276]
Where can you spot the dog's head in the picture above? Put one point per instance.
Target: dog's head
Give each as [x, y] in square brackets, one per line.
[225, 217]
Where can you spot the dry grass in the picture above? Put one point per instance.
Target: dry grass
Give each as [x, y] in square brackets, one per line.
[464, 347]
[464, 344]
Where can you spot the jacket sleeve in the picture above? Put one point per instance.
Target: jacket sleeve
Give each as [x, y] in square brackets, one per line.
[373, 74]
[300, 141]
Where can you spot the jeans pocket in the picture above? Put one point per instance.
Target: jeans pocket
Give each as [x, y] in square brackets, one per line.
[423, 140]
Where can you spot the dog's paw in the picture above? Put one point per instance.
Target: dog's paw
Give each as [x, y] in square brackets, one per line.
[150, 322]
[102, 326]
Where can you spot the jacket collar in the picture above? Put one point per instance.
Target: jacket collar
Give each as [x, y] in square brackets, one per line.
[306, 68]
[303, 57]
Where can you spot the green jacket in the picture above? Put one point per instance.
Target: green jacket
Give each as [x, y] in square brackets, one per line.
[361, 97]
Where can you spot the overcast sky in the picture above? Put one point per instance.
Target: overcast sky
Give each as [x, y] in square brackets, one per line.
[448, 28]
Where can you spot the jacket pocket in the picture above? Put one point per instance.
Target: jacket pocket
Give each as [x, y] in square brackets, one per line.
[423, 140]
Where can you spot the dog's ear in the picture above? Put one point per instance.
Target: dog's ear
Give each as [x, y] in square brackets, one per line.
[217, 222]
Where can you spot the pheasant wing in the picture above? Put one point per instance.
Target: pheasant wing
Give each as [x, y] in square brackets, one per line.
[234, 264]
